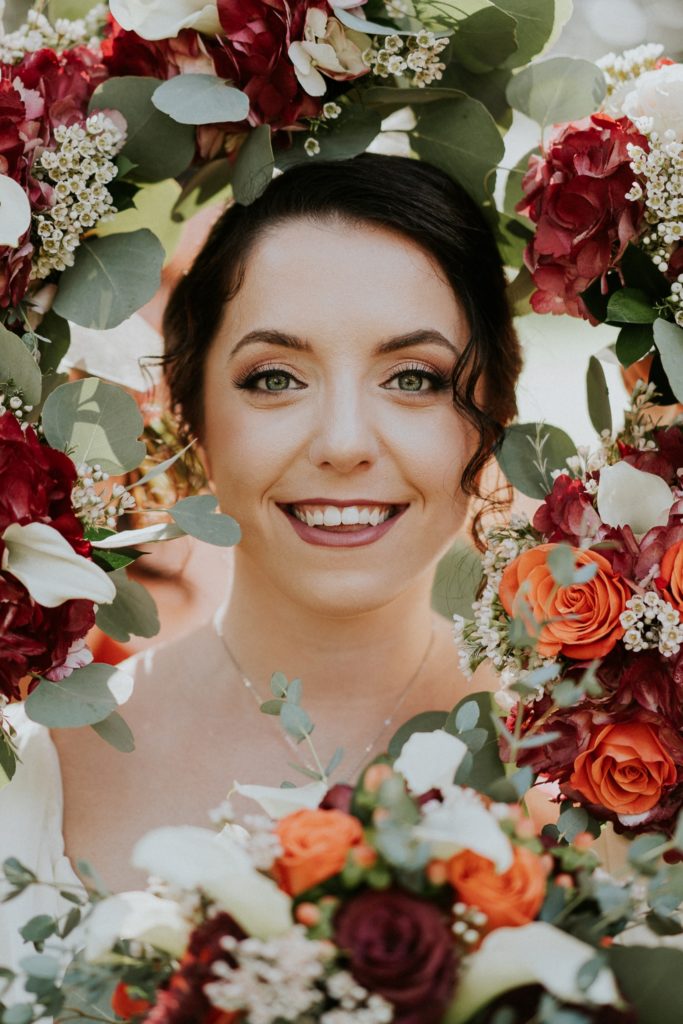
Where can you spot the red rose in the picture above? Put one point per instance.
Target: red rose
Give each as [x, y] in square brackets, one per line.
[255, 57]
[576, 195]
[568, 513]
[35, 486]
[399, 947]
[126, 53]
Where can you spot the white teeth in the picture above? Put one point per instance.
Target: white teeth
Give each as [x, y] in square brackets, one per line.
[350, 516]
[332, 516]
[364, 516]
[318, 517]
[310, 518]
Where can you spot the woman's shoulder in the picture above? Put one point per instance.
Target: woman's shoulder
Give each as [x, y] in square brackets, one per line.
[175, 662]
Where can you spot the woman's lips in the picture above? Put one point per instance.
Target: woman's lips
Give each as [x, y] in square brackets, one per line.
[342, 536]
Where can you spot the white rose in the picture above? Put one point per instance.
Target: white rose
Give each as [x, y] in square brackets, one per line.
[429, 760]
[136, 915]
[163, 19]
[462, 822]
[658, 96]
[196, 858]
[534, 954]
[326, 45]
[629, 497]
[15, 211]
[277, 802]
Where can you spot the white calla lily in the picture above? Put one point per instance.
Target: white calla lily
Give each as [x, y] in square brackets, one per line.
[15, 211]
[164, 19]
[50, 569]
[462, 822]
[629, 497]
[534, 954]
[145, 535]
[196, 858]
[429, 760]
[136, 915]
[278, 802]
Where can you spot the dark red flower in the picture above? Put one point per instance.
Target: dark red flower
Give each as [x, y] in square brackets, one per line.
[126, 53]
[399, 947]
[576, 195]
[568, 513]
[338, 798]
[65, 81]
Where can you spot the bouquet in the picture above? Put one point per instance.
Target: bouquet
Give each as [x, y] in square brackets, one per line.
[408, 897]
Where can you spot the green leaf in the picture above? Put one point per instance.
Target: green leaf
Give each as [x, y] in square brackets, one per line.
[678, 834]
[669, 342]
[111, 278]
[522, 780]
[639, 271]
[489, 89]
[278, 684]
[73, 919]
[115, 731]
[426, 721]
[535, 22]
[461, 138]
[597, 394]
[630, 306]
[482, 768]
[665, 890]
[18, 365]
[97, 423]
[8, 759]
[351, 133]
[200, 99]
[253, 168]
[131, 613]
[335, 761]
[20, 1013]
[518, 459]
[38, 928]
[40, 965]
[650, 979]
[641, 850]
[571, 822]
[456, 582]
[663, 925]
[211, 184]
[562, 565]
[83, 698]
[271, 707]
[467, 716]
[55, 336]
[294, 692]
[485, 39]
[197, 516]
[152, 208]
[634, 341]
[295, 721]
[158, 146]
[557, 89]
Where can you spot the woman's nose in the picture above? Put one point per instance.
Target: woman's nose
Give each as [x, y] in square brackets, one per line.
[344, 437]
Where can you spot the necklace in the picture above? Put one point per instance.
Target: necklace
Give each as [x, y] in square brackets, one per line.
[386, 722]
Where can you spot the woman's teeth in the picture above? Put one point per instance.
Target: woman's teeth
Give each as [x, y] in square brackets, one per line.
[350, 515]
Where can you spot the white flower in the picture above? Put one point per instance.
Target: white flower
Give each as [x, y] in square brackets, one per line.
[50, 569]
[196, 858]
[429, 760]
[15, 211]
[163, 19]
[629, 497]
[326, 46]
[278, 802]
[658, 96]
[145, 535]
[461, 822]
[136, 915]
[534, 954]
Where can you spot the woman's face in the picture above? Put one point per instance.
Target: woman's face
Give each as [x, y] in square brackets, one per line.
[327, 398]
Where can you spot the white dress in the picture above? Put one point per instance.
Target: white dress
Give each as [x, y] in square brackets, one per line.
[31, 830]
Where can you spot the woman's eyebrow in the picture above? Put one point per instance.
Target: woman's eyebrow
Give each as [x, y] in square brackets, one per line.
[424, 337]
[270, 337]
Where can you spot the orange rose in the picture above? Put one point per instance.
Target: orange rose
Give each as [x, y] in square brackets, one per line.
[580, 621]
[671, 575]
[510, 898]
[624, 769]
[315, 845]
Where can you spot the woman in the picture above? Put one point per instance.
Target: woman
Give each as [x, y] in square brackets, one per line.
[343, 351]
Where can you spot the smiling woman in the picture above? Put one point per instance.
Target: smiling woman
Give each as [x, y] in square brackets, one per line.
[343, 351]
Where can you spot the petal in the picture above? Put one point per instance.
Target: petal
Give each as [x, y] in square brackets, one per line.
[629, 497]
[136, 915]
[145, 535]
[278, 802]
[462, 822]
[15, 211]
[429, 760]
[50, 569]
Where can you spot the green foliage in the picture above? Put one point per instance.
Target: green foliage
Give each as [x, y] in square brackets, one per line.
[8, 758]
[18, 366]
[484, 40]
[110, 279]
[426, 721]
[669, 341]
[572, 821]
[456, 582]
[489, 89]
[535, 23]
[200, 99]
[557, 89]
[114, 730]
[530, 452]
[562, 565]
[254, 166]
[156, 145]
[96, 423]
[349, 134]
[83, 698]
[482, 767]
[633, 343]
[54, 336]
[197, 516]
[650, 980]
[131, 613]
[630, 306]
[210, 184]
[38, 928]
[152, 208]
[597, 394]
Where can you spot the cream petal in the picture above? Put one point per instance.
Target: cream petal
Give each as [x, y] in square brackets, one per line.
[145, 535]
[278, 802]
[462, 822]
[136, 915]
[429, 760]
[15, 211]
[629, 497]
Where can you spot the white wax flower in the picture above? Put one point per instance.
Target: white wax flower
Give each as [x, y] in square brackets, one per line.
[429, 760]
[534, 954]
[136, 915]
[15, 211]
[218, 865]
[163, 19]
[50, 569]
[658, 95]
[629, 497]
[278, 802]
[462, 822]
[326, 46]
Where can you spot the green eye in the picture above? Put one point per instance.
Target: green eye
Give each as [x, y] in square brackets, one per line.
[276, 381]
[410, 381]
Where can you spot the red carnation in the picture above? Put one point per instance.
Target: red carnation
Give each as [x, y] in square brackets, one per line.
[576, 195]
[568, 513]
[65, 81]
[35, 486]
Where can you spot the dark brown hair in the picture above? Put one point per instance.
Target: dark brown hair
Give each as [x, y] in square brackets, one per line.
[403, 195]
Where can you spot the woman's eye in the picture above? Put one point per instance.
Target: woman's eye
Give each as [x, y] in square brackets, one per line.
[416, 380]
[272, 381]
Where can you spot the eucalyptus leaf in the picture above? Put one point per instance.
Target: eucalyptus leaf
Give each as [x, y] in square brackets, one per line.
[211, 184]
[161, 467]
[426, 721]
[485, 39]
[634, 341]
[597, 394]
[110, 279]
[19, 1013]
[631, 306]
[557, 89]
[116, 732]
[528, 464]
[572, 821]
[39, 928]
[197, 516]
[489, 89]
[152, 208]
[131, 613]
[97, 423]
[8, 759]
[54, 335]
[158, 146]
[18, 365]
[83, 698]
[535, 23]
[253, 168]
[650, 979]
[457, 580]
[467, 716]
[483, 768]
[374, 28]
[350, 134]
[669, 342]
[40, 965]
[295, 721]
[200, 99]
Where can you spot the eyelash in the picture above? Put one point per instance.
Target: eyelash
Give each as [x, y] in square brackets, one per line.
[248, 381]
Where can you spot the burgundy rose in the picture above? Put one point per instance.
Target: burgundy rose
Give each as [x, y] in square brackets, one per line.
[568, 513]
[338, 798]
[399, 947]
[126, 53]
[35, 486]
[576, 195]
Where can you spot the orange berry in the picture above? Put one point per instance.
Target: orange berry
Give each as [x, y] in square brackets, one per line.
[375, 776]
[584, 841]
[364, 856]
[307, 914]
[437, 872]
[565, 881]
